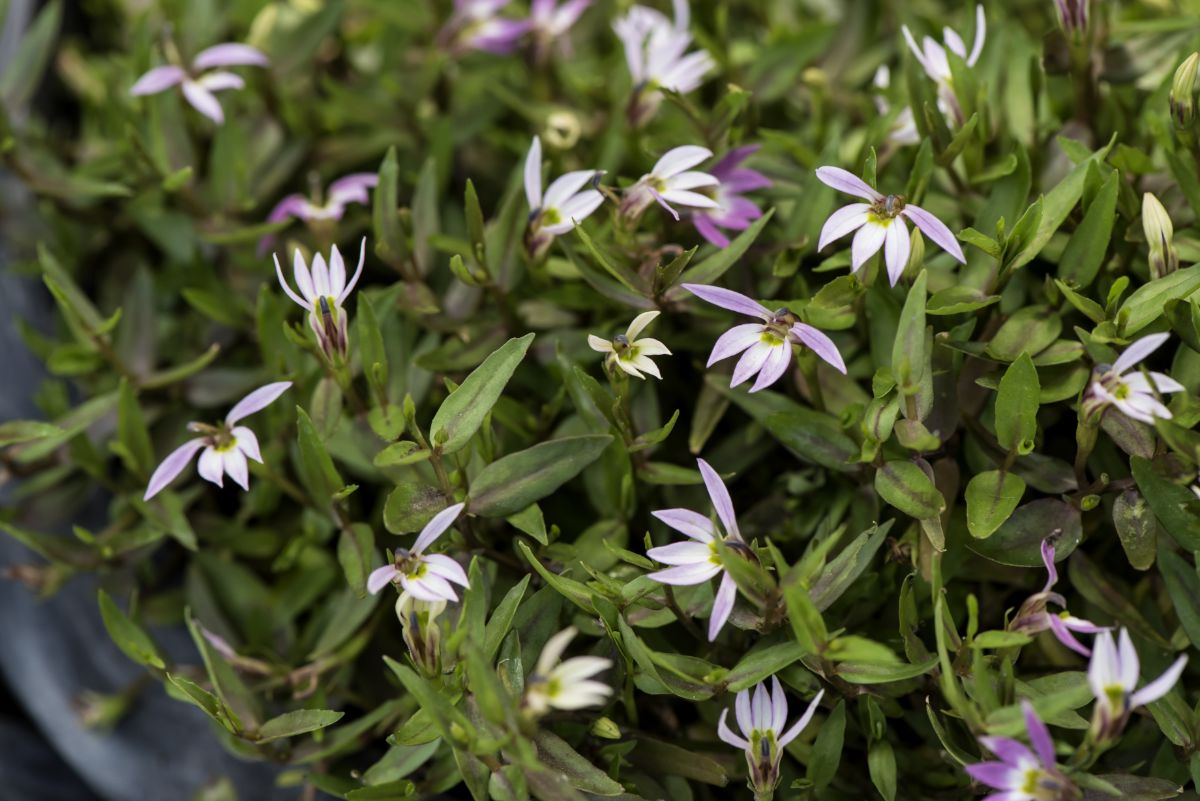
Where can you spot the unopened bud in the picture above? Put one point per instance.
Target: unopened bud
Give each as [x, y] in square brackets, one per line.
[606, 729]
[1183, 93]
[1073, 17]
[1164, 259]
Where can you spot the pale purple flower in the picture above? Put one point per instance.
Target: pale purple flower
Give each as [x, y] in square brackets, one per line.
[932, 57]
[322, 293]
[426, 577]
[1134, 394]
[226, 446]
[762, 719]
[341, 193]
[698, 560]
[564, 205]
[550, 21]
[656, 53]
[734, 212]
[567, 684]
[672, 180]
[1113, 674]
[766, 347]
[201, 81]
[904, 127]
[630, 354]
[1022, 774]
[1033, 616]
[477, 25]
[879, 225]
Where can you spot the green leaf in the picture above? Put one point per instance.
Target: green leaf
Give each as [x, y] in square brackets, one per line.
[463, 412]
[881, 764]
[908, 352]
[1018, 541]
[24, 71]
[1183, 585]
[554, 753]
[905, 486]
[1085, 251]
[1148, 302]
[1136, 528]
[991, 498]
[390, 244]
[807, 623]
[844, 570]
[133, 641]
[827, 748]
[716, 265]
[475, 226]
[315, 464]
[878, 673]
[14, 432]
[513, 482]
[1017, 403]
[761, 663]
[301, 721]
[1029, 330]
[958, 299]
[132, 432]
[1172, 504]
[410, 506]
[356, 553]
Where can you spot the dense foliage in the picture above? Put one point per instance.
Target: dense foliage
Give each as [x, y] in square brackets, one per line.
[913, 441]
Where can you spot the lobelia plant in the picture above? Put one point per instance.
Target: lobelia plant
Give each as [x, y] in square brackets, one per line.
[457, 571]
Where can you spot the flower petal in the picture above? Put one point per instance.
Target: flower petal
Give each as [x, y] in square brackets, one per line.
[246, 442]
[362, 258]
[211, 466]
[847, 182]
[936, 230]
[256, 401]
[722, 606]
[691, 179]
[235, 465]
[773, 368]
[819, 343]
[719, 494]
[381, 577]
[804, 720]
[896, 249]
[442, 565]
[1011, 751]
[1139, 350]
[157, 80]
[437, 526]
[693, 200]
[565, 186]
[681, 553]
[726, 734]
[220, 81]
[1039, 735]
[172, 466]
[728, 299]
[1160, 686]
[639, 324]
[843, 221]
[867, 243]
[287, 289]
[229, 55]
[688, 523]
[553, 650]
[685, 575]
[599, 344]
[734, 341]
[678, 159]
[533, 175]
[995, 774]
[203, 101]
[752, 361]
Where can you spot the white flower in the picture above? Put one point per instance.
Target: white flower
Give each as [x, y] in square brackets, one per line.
[322, 293]
[904, 127]
[1113, 674]
[672, 181]
[630, 353]
[1135, 394]
[564, 205]
[762, 719]
[933, 59]
[566, 684]
[656, 52]
[426, 577]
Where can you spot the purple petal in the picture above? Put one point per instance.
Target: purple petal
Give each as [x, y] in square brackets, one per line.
[1138, 351]
[847, 182]
[727, 735]
[220, 81]
[742, 710]
[290, 206]
[896, 249]
[936, 230]
[779, 706]
[804, 720]
[867, 242]
[722, 606]
[681, 553]
[662, 201]
[843, 221]
[428, 588]
[362, 258]
[380, 577]
[211, 466]
[442, 565]
[685, 575]
[156, 80]
[708, 229]
[1009, 750]
[732, 159]
[1129, 669]
[734, 341]
[287, 289]
[1103, 669]
[728, 299]
[1059, 629]
[1160, 686]
[203, 101]
[247, 443]
[1039, 735]
[995, 774]
[256, 401]
[229, 55]
[719, 495]
[1048, 561]
[688, 523]
[172, 466]
[352, 188]
[773, 368]
[819, 343]
[437, 526]
[752, 361]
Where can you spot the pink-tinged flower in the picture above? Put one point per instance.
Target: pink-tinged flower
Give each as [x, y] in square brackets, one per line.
[565, 684]
[201, 81]
[672, 180]
[1033, 616]
[342, 192]
[426, 577]
[477, 25]
[322, 293]
[766, 347]
[932, 57]
[762, 719]
[904, 127]
[1134, 394]
[564, 205]
[734, 212]
[549, 21]
[697, 561]
[656, 52]
[1113, 674]
[226, 446]
[630, 354]
[879, 225]
[1021, 774]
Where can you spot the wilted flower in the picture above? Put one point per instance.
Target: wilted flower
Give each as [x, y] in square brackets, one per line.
[629, 353]
[656, 52]
[565, 204]
[1073, 17]
[550, 22]
[322, 292]
[762, 720]
[1021, 774]
[767, 345]
[1113, 674]
[342, 192]
[1160, 234]
[426, 577]
[567, 684]
[878, 224]
[904, 127]
[477, 25]
[733, 212]
[226, 445]
[1135, 394]
[933, 59]
[199, 83]
[421, 631]
[1033, 616]
[671, 181]
[698, 561]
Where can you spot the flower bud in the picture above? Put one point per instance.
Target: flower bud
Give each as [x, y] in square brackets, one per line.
[1164, 259]
[1073, 17]
[1183, 93]
[422, 633]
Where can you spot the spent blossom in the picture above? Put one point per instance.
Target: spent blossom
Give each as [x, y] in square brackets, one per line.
[565, 684]
[1133, 393]
[1033, 617]
[477, 25]
[656, 53]
[1022, 774]
[879, 224]
[426, 577]
[762, 718]
[672, 180]
[1113, 675]
[698, 560]
[564, 205]
[316, 209]
[226, 446]
[200, 81]
[630, 354]
[734, 211]
[322, 293]
[933, 59]
[766, 347]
